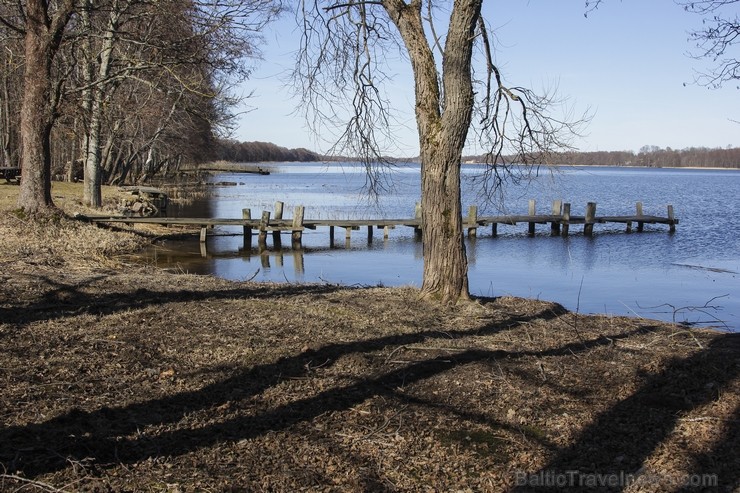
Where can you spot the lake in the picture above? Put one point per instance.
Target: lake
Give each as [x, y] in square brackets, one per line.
[690, 276]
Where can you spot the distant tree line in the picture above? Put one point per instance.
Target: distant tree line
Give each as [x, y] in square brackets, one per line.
[655, 157]
[647, 156]
[254, 152]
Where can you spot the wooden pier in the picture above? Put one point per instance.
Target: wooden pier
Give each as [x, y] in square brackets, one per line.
[559, 218]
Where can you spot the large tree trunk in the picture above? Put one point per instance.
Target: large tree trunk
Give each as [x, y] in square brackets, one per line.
[36, 121]
[445, 275]
[42, 39]
[443, 127]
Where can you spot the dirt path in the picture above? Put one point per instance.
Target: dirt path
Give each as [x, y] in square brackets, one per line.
[123, 378]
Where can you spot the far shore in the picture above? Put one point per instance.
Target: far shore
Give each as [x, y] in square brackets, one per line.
[253, 167]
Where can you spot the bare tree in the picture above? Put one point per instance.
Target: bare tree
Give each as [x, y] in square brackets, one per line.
[10, 81]
[184, 52]
[96, 67]
[187, 52]
[42, 25]
[716, 40]
[342, 63]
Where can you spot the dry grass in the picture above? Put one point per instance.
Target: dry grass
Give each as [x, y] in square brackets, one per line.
[59, 241]
[67, 196]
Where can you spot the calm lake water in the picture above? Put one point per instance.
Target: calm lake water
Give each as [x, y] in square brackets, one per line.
[690, 276]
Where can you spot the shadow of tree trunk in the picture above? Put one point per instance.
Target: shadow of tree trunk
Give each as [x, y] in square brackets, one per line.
[611, 453]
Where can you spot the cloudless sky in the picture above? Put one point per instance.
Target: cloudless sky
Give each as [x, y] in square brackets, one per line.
[628, 63]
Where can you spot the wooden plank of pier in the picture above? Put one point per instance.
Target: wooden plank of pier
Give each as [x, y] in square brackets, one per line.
[560, 220]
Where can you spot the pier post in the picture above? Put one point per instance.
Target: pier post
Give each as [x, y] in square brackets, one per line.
[297, 234]
[417, 215]
[532, 212]
[557, 206]
[298, 261]
[671, 219]
[472, 221]
[276, 241]
[247, 216]
[566, 219]
[588, 226]
[369, 234]
[386, 232]
[640, 224]
[262, 237]
[203, 230]
[331, 236]
[494, 229]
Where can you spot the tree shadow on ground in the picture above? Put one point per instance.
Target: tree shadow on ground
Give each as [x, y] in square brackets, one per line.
[110, 435]
[62, 300]
[619, 441]
[611, 453]
[727, 471]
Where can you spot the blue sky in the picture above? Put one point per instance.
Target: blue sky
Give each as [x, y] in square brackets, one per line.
[627, 63]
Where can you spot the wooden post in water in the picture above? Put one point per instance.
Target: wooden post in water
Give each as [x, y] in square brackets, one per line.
[247, 216]
[386, 231]
[298, 261]
[588, 226]
[672, 219]
[640, 224]
[297, 234]
[369, 233]
[532, 212]
[203, 230]
[417, 215]
[494, 229]
[262, 237]
[276, 240]
[557, 206]
[472, 221]
[566, 219]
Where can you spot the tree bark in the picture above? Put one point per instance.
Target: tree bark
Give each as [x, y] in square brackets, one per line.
[443, 127]
[36, 121]
[92, 194]
[5, 121]
[42, 40]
